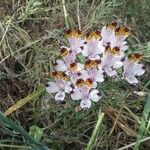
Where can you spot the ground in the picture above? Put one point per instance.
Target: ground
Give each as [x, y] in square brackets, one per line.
[31, 31]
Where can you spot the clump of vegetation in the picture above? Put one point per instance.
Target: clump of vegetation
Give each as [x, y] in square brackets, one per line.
[31, 32]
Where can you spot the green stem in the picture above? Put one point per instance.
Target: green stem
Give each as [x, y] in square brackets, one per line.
[78, 14]
[144, 120]
[96, 131]
[65, 13]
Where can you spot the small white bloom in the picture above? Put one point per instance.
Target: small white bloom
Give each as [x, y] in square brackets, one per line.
[60, 96]
[132, 69]
[95, 95]
[85, 104]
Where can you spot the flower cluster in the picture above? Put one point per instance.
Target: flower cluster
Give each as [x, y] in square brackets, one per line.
[81, 67]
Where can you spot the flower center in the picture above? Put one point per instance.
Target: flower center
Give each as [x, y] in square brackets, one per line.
[114, 51]
[59, 75]
[88, 82]
[94, 35]
[70, 34]
[63, 52]
[92, 63]
[73, 66]
[135, 57]
[111, 26]
[122, 31]
[80, 82]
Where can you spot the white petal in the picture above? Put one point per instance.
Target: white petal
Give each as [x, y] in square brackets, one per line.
[131, 79]
[118, 64]
[85, 104]
[124, 47]
[139, 69]
[94, 95]
[52, 87]
[110, 72]
[61, 66]
[68, 87]
[99, 76]
[95, 57]
[76, 95]
[60, 96]
[100, 47]
[85, 52]
[80, 66]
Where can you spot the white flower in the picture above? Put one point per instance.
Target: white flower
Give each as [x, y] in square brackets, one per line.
[93, 46]
[69, 68]
[86, 96]
[75, 40]
[132, 68]
[112, 59]
[108, 32]
[60, 87]
[115, 36]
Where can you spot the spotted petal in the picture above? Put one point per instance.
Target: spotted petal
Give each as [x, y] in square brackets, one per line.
[52, 87]
[94, 95]
[60, 96]
[85, 104]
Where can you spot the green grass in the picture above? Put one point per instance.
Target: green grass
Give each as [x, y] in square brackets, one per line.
[31, 32]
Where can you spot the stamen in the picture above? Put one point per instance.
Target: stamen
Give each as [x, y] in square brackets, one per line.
[135, 57]
[73, 66]
[63, 76]
[91, 64]
[112, 25]
[80, 82]
[89, 82]
[63, 52]
[115, 50]
[93, 35]
[122, 31]
[70, 34]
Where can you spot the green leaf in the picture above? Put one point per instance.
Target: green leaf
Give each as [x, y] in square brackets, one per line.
[29, 140]
[36, 132]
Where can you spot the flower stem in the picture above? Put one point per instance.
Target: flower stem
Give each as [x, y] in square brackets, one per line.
[65, 13]
[78, 15]
[96, 131]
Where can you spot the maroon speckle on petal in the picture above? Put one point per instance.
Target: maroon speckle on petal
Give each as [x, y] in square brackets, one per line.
[79, 74]
[71, 92]
[70, 51]
[143, 67]
[82, 47]
[123, 59]
[99, 94]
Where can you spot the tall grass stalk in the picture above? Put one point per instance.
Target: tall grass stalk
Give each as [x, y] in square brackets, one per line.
[65, 13]
[96, 131]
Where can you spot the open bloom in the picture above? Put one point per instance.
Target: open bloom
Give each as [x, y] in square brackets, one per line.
[115, 36]
[93, 45]
[60, 87]
[80, 67]
[112, 58]
[75, 40]
[86, 96]
[132, 68]
[69, 68]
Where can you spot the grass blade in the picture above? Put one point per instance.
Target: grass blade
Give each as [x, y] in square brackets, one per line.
[96, 131]
[22, 102]
[30, 140]
[142, 128]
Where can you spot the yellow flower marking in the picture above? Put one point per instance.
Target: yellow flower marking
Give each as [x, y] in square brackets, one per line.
[135, 57]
